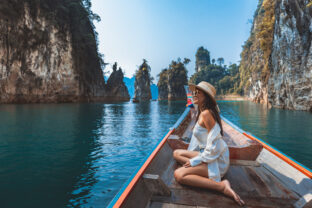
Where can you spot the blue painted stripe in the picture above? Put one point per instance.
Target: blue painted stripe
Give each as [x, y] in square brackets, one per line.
[123, 188]
[242, 131]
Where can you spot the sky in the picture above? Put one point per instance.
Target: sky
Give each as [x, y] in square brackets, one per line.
[163, 30]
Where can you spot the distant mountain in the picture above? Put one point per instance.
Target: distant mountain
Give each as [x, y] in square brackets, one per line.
[130, 85]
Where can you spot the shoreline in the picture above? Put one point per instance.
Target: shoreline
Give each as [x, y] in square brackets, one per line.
[231, 97]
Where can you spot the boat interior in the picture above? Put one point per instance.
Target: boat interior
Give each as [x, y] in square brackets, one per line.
[258, 176]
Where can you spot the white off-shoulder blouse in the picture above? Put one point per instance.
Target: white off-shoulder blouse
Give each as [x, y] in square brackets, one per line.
[213, 151]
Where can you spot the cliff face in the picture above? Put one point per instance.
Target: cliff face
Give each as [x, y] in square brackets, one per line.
[172, 80]
[276, 65]
[163, 85]
[290, 82]
[177, 78]
[48, 53]
[142, 83]
[116, 88]
[202, 58]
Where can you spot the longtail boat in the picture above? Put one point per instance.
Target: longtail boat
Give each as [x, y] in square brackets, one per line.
[259, 173]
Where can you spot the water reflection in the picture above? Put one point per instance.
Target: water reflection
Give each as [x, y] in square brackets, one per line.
[41, 142]
[76, 155]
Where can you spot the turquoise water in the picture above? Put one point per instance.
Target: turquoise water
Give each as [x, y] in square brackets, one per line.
[76, 155]
[80, 155]
[288, 131]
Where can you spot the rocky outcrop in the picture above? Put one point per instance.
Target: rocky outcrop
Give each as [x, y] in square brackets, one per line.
[202, 58]
[177, 78]
[172, 80]
[290, 82]
[48, 52]
[116, 88]
[142, 83]
[276, 65]
[163, 85]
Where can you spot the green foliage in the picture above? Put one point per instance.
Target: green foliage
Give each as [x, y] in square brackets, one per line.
[175, 76]
[177, 73]
[261, 37]
[220, 61]
[202, 58]
[163, 80]
[225, 80]
[144, 72]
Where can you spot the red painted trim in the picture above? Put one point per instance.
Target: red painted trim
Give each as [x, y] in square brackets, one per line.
[136, 178]
[281, 156]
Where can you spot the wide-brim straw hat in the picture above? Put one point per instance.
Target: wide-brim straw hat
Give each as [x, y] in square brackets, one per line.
[207, 88]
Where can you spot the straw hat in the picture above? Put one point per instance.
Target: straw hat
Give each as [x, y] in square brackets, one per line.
[207, 88]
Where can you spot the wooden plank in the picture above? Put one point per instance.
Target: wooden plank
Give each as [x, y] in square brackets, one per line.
[290, 177]
[283, 157]
[305, 201]
[208, 198]
[138, 197]
[155, 185]
[240, 181]
[176, 143]
[277, 189]
[160, 162]
[128, 191]
[169, 205]
[167, 174]
[244, 163]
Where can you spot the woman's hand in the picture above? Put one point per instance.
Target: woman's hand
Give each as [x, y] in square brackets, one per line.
[187, 164]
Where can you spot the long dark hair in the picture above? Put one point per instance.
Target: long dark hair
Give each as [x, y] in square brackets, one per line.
[211, 105]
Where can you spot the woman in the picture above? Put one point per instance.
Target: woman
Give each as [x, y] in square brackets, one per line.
[206, 167]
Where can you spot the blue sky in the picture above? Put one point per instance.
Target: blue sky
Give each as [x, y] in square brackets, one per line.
[163, 30]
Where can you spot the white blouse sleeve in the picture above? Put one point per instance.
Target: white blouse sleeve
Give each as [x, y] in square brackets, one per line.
[213, 149]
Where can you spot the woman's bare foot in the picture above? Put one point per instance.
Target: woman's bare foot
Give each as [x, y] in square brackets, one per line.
[231, 193]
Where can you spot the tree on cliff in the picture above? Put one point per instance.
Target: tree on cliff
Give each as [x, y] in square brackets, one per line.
[163, 85]
[116, 88]
[226, 80]
[220, 61]
[142, 82]
[202, 58]
[172, 80]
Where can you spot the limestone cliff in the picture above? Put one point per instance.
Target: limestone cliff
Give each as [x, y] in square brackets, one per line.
[202, 58]
[172, 80]
[163, 85]
[48, 52]
[177, 78]
[276, 65]
[142, 83]
[116, 88]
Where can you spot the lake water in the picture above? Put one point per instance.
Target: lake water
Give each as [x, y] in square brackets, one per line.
[80, 155]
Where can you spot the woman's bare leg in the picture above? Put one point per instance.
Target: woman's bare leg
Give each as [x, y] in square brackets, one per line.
[182, 155]
[198, 176]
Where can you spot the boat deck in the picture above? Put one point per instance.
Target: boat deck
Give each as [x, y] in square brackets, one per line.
[256, 185]
[260, 178]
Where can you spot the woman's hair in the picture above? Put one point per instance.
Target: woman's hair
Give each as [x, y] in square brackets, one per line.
[211, 105]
